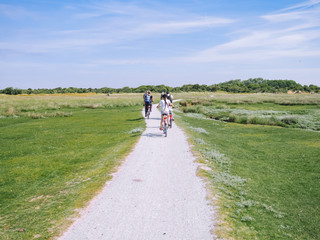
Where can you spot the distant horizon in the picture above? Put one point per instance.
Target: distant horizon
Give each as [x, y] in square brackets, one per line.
[49, 44]
[155, 85]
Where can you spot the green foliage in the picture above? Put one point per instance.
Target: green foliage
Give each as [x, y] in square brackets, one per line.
[11, 91]
[264, 178]
[252, 85]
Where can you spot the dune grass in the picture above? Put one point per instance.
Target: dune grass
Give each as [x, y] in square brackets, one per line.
[265, 179]
[52, 165]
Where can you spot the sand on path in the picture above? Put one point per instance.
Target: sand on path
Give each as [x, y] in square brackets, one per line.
[154, 195]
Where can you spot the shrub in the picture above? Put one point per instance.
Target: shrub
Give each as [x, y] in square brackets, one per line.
[232, 118]
[183, 103]
[289, 120]
[194, 109]
[199, 130]
[93, 106]
[35, 115]
[10, 111]
[247, 219]
[243, 120]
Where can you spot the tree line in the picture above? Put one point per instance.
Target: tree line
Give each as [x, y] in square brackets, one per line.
[252, 85]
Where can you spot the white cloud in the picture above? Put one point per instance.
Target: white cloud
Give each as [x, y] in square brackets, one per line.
[137, 23]
[271, 40]
[267, 42]
[181, 26]
[302, 5]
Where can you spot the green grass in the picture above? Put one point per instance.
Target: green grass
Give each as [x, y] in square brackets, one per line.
[263, 113]
[52, 166]
[266, 178]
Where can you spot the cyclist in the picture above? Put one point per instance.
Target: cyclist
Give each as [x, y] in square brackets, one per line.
[165, 104]
[148, 101]
[161, 97]
[170, 98]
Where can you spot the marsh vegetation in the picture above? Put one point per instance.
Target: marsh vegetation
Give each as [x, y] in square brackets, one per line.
[263, 178]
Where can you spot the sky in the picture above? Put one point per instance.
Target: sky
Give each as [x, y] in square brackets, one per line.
[77, 43]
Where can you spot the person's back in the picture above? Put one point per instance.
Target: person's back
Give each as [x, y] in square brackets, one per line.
[162, 94]
[165, 103]
[144, 96]
[169, 97]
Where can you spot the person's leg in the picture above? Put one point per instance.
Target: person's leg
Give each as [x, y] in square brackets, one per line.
[161, 121]
[145, 109]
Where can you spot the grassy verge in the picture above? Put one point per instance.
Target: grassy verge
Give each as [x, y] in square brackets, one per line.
[265, 178]
[52, 165]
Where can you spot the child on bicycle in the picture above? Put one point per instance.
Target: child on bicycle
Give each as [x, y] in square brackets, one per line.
[165, 104]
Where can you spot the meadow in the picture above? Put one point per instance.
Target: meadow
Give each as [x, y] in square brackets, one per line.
[261, 152]
[263, 174]
[57, 152]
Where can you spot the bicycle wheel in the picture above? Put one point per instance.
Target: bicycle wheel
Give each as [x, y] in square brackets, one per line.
[165, 130]
[170, 122]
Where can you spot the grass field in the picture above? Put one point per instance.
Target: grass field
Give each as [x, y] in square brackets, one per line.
[265, 179]
[56, 153]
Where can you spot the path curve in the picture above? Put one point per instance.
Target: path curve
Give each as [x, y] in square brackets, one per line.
[155, 194]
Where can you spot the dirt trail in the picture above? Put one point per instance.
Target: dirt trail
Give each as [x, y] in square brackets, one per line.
[155, 194]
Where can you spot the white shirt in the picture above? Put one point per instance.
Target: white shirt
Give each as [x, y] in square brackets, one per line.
[164, 106]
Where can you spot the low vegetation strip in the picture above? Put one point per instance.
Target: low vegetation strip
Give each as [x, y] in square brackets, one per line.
[252, 85]
[43, 106]
[52, 165]
[265, 179]
[305, 114]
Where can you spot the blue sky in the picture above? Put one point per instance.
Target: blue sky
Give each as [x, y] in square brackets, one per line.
[47, 44]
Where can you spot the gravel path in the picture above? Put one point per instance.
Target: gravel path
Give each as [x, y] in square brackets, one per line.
[155, 194]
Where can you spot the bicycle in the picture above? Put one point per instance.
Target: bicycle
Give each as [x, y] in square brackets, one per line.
[148, 111]
[165, 125]
[170, 118]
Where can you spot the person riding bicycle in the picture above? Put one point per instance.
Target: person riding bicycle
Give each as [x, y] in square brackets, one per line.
[169, 96]
[148, 101]
[161, 97]
[165, 104]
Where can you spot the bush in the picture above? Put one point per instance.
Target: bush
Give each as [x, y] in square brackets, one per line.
[289, 120]
[194, 109]
[183, 103]
[243, 120]
[232, 118]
